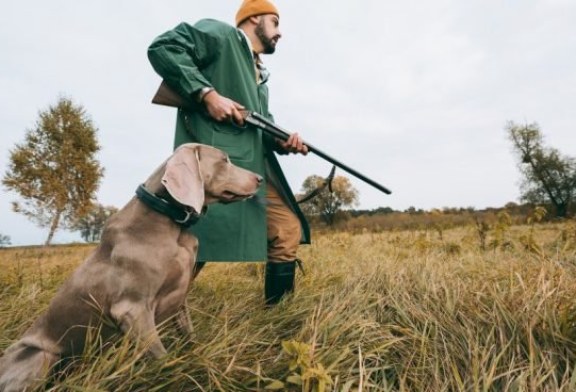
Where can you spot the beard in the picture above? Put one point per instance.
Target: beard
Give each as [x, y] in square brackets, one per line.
[268, 43]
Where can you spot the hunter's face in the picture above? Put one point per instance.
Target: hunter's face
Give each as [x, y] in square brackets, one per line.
[268, 32]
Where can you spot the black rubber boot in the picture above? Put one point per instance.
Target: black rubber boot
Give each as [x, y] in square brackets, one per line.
[279, 281]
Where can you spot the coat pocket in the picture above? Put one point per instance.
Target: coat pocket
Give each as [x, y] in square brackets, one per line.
[237, 142]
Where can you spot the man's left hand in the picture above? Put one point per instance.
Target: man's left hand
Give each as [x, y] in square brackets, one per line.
[294, 144]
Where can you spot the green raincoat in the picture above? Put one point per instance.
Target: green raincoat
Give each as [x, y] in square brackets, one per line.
[215, 54]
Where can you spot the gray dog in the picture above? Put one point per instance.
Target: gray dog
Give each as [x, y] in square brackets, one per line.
[139, 274]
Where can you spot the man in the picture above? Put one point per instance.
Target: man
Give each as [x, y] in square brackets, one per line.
[217, 69]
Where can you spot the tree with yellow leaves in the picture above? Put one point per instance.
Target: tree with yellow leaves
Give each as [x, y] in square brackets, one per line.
[55, 169]
[331, 200]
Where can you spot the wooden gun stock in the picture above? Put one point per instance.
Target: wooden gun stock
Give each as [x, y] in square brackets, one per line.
[168, 97]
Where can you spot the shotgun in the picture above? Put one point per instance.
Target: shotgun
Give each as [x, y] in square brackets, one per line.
[272, 129]
[166, 96]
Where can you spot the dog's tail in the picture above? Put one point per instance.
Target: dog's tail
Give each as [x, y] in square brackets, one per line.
[24, 367]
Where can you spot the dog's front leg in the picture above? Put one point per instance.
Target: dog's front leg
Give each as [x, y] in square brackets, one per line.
[138, 322]
[183, 322]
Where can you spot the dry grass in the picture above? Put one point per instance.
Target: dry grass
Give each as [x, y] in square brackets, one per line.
[390, 311]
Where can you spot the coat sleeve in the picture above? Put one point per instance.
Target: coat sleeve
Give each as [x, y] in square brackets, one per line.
[179, 55]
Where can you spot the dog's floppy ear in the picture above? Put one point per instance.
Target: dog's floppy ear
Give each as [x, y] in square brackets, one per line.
[182, 177]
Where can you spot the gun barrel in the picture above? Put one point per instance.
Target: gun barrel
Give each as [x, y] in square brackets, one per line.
[271, 128]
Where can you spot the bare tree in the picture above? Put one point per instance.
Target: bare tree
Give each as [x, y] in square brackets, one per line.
[549, 177]
[90, 226]
[4, 240]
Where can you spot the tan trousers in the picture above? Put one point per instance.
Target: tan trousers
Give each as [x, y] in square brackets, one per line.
[284, 230]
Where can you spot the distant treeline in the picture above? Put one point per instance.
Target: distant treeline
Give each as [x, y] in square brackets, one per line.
[386, 218]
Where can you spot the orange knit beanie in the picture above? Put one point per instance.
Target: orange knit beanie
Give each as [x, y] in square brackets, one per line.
[254, 7]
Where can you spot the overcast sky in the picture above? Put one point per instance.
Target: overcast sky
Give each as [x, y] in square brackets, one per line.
[414, 94]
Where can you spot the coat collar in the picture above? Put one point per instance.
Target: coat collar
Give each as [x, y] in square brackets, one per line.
[262, 72]
[243, 36]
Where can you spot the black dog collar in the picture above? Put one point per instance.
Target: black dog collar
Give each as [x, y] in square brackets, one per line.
[184, 216]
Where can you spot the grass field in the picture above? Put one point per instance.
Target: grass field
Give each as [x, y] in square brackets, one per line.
[421, 310]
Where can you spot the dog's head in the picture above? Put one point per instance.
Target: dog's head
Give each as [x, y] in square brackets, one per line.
[198, 175]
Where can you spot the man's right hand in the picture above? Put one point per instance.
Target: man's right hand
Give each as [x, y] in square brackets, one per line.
[223, 109]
